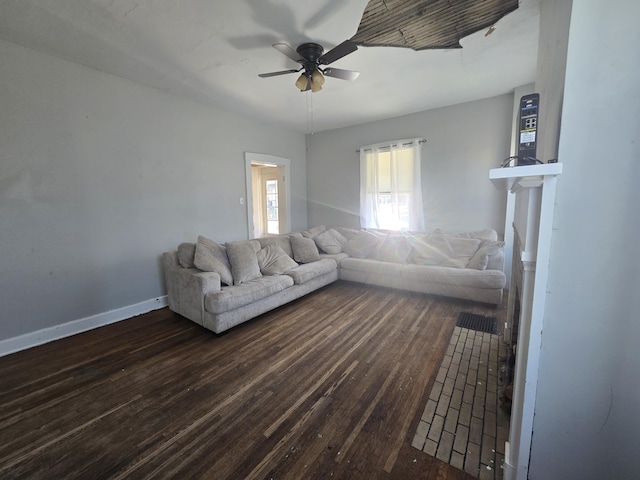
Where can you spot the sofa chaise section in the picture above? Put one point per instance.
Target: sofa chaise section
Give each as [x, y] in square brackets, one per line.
[467, 265]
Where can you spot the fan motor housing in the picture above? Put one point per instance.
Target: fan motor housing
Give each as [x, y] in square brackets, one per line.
[311, 52]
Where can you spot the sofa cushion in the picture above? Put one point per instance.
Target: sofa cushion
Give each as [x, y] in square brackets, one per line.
[347, 233]
[338, 257]
[186, 254]
[486, 234]
[462, 277]
[309, 271]
[362, 245]
[230, 298]
[243, 260]
[304, 250]
[464, 247]
[462, 251]
[374, 267]
[394, 249]
[330, 241]
[273, 260]
[282, 241]
[496, 257]
[212, 257]
[488, 249]
[431, 250]
[313, 231]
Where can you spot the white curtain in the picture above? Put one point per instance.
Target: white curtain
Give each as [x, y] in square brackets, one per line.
[390, 185]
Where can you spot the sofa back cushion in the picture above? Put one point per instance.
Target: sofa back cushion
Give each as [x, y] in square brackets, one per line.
[313, 231]
[394, 249]
[244, 260]
[347, 233]
[430, 250]
[486, 234]
[330, 241]
[212, 257]
[362, 245]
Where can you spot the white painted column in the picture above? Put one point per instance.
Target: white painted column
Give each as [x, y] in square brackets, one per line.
[534, 187]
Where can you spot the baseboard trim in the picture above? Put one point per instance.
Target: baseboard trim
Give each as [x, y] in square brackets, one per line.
[39, 337]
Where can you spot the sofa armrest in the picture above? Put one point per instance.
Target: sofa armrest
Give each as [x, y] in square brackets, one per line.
[187, 287]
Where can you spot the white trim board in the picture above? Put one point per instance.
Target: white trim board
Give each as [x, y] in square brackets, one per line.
[265, 159]
[39, 337]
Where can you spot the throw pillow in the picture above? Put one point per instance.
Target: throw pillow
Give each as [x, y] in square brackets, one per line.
[273, 260]
[496, 257]
[186, 253]
[281, 240]
[211, 257]
[244, 261]
[463, 249]
[304, 250]
[362, 245]
[480, 259]
[330, 241]
[431, 250]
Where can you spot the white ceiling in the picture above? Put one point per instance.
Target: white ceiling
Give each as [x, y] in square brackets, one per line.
[212, 52]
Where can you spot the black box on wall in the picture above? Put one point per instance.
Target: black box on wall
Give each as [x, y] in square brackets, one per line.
[528, 129]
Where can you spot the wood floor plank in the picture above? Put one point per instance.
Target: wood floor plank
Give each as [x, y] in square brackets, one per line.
[329, 386]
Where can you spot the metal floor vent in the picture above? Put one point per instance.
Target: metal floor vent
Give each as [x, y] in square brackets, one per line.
[479, 323]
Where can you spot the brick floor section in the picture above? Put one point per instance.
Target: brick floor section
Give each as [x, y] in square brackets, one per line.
[461, 423]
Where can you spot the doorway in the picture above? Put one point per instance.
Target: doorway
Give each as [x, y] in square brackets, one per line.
[268, 193]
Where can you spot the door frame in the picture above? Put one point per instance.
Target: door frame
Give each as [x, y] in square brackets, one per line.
[267, 160]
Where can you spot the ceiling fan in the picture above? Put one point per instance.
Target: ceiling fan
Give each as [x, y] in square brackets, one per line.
[312, 58]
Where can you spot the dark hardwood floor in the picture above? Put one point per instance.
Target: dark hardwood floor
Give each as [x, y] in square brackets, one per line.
[329, 386]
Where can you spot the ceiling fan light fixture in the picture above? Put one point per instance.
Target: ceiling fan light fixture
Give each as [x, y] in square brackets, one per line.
[302, 82]
[311, 56]
[317, 80]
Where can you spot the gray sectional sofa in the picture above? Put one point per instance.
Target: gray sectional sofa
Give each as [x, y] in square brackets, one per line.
[221, 286]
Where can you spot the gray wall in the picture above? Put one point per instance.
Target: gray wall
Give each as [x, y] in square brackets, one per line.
[587, 424]
[463, 142]
[100, 175]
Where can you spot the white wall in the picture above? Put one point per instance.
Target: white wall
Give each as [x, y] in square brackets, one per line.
[100, 175]
[587, 424]
[463, 142]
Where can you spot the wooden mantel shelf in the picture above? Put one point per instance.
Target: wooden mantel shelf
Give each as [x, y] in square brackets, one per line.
[527, 176]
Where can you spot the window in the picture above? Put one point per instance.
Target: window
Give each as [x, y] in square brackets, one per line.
[273, 224]
[390, 186]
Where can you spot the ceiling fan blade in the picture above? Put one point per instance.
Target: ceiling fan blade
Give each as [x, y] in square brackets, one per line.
[288, 51]
[345, 48]
[281, 72]
[340, 73]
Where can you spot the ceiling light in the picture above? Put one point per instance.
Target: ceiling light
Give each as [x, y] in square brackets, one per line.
[317, 80]
[302, 82]
[311, 82]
